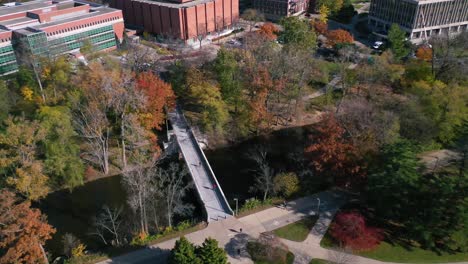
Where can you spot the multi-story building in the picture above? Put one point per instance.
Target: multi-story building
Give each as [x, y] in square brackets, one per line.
[421, 19]
[276, 9]
[55, 27]
[180, 19]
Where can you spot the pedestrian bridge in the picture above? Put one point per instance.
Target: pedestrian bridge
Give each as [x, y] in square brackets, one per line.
[208, 189]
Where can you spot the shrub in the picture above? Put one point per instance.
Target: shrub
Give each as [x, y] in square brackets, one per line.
[286, 184]
[350, 229]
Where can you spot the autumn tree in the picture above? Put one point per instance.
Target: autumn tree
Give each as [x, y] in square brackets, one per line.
[352, 231]
[424, 53]
[339, 37]
[286, 184]
[19, 157]
[207, 100]
[319, 26]
[333, 5]
[269, 31]
[333, 155]
[23, 231]
[259, 90]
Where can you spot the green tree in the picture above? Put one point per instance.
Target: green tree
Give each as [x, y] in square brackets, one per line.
[297, 31]
[5, 104]
[398, 42]
[210, 253]
[183, 253]
[394, 182]
[62, 161]
[227, 73]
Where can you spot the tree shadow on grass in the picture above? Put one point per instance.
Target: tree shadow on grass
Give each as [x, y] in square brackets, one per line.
[238, 244]
[143, 255]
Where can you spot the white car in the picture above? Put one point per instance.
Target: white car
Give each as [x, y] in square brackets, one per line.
[377, 44]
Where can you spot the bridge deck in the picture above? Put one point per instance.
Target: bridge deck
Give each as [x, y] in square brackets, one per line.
[207, 186]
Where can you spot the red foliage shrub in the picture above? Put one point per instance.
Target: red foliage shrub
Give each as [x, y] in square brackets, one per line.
[319, 26]
[350, 229]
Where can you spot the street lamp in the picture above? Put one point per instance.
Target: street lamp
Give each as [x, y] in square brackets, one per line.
[237, 205]
[318, 206]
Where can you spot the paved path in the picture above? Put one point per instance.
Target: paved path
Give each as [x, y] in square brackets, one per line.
[332, 84]
[228, 234]
[207, 185]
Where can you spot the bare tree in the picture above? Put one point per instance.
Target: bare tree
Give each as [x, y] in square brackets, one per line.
[172, 189]
[93, 125]
[108, 223]
[264, 174]
[202, 33]
[139, 57]
[252, 16]
[138, 183]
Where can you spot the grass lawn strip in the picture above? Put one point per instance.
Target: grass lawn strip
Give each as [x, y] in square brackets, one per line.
[297, 231]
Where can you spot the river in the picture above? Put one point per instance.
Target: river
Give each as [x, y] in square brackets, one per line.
[73, 212]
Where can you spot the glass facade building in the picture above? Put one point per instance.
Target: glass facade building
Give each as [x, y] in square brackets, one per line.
[421, 19]
[51, 28]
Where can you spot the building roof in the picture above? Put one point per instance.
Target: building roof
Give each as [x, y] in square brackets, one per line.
[36, 16]
[175, 5]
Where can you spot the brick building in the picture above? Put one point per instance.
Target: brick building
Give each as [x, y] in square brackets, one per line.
[55, 27]
[276, 9]
[420, 18]
[180, 19]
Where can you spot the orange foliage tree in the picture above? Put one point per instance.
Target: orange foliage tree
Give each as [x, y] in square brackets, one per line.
[260, 88]
[268, 31]
[23, 231]
[339, 36]
[159, 95]
[333, 155]
[319, 26]
[424, 53]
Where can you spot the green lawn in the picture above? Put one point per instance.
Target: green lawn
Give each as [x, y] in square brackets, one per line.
[297, 231]
[396, 253]
[319, 261]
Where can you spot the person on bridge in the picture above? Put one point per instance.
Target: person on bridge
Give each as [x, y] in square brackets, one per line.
[214, 186]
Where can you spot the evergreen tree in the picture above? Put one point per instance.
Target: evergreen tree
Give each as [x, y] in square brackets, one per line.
[393, 185]
[398, 43]
[63, 163]
[210, 253]
[183, 253]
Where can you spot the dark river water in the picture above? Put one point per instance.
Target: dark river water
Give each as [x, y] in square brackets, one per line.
[74, 212]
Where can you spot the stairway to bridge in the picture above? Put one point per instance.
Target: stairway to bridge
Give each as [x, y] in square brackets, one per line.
[208, 189]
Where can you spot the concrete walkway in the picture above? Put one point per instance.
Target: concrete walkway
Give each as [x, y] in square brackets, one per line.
[206, 184]
[228, 234]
